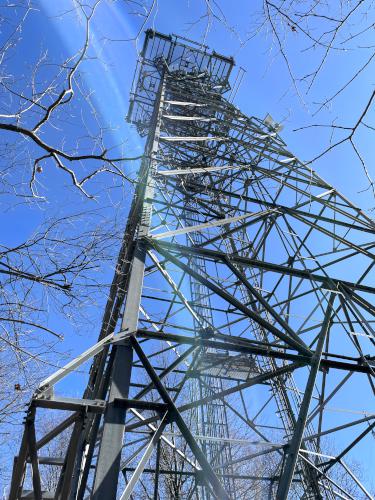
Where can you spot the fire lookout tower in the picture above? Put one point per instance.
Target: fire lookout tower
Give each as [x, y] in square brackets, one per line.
[239, 314]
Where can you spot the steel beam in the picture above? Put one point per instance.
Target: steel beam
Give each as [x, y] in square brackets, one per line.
[355, 365]
[260, 264]
[209, 474]
[236, 303]
[142, 463]
[292, 451]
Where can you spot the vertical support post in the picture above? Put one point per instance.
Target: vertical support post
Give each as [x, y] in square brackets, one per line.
[37, 486]
[109, 458]
[19, 466]
[295, 444]
[66, 477]
[108, 464]
[86, 451]
[157, 471]
[321, 400]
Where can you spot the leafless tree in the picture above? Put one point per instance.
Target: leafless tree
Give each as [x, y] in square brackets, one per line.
[51, 134]
[59, 272]
[312, 38]
[43, 107]
[49, 121]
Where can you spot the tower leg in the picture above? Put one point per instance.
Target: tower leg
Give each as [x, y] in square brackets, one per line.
[108, 466]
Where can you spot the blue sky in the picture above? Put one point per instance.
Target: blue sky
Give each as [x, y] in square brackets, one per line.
[266, 88]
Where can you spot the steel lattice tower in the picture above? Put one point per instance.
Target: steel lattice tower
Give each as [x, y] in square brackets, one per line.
[239, 316]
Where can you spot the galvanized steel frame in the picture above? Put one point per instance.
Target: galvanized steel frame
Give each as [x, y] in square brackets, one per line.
[208, 169]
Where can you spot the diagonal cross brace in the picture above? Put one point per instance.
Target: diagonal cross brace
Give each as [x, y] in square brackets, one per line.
[232, 300]
[262, 301]
[209, 474]
[142, 463]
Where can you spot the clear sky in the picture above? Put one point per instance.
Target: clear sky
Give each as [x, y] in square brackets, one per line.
[266, 88]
